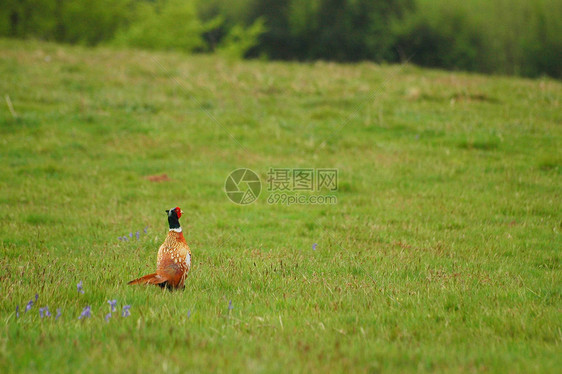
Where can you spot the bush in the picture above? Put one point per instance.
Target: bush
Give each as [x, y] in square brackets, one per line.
[542, 48]
[171, 24]
[515, 37]
[240, 40]
[84, 22]
[342, 30]
[439, 37]
[176, 24]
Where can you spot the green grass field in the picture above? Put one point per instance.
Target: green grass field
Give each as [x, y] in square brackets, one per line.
[443, 252]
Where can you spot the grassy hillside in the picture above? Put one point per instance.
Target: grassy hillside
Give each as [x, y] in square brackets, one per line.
[441, 254]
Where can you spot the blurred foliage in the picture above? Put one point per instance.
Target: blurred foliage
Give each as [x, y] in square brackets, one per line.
[77, 21]
[436, 35]
[240, 39]
[501, 36]
[171, 24]
[497, 36]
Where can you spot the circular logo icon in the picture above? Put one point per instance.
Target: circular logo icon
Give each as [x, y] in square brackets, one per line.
[242, 186]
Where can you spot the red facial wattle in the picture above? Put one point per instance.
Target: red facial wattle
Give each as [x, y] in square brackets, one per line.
[178, 212]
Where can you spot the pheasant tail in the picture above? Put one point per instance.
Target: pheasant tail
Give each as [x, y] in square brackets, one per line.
[153, 278]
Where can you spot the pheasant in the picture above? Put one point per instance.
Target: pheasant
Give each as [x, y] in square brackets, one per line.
[174, 257]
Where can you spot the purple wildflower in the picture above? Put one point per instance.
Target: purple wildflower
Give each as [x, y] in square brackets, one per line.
[58, 314]
[112, 303]
[146, 229]
[120, 238]
[125, 239]
[138, 235]
[230, 307]
[79, 287]
[314, 246]
[18, 311]
[44, 312]
[107, 317]
[36, 297]
[86, 312]
[131, 235]
[126, 312]
[189, 313]
[28, 306]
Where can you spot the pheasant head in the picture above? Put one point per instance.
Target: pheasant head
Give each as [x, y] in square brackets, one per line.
[174, 215]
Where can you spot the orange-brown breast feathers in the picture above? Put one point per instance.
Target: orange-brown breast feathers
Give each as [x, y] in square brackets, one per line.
[174, 259]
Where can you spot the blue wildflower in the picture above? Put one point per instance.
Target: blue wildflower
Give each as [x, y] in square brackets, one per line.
[230, 307]
[138, 235]
[189, 313]
[107, 317]
[36, 297]
[126, 312]
[58, 314]
[41, 312]
[125, 239]
[146, 229]
[131, 235]
[86, 312]
[47, 312]
[79, 287]
[28, 306]
[120, 238]
[18, 311]
[112, 303]
[314, 246]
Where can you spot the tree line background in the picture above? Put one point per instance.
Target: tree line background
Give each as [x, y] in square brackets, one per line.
[519, 37]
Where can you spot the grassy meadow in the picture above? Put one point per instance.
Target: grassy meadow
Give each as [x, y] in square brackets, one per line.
[442, 254]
